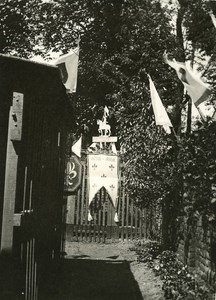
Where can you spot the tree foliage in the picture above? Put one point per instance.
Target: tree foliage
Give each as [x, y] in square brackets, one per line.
[17, 27]
[197, 160]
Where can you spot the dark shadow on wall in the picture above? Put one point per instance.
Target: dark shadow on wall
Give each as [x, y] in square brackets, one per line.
[84, 279]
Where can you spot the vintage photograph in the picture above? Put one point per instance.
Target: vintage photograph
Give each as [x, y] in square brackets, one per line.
[107, 150]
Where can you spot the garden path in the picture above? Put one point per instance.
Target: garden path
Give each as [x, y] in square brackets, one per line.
[94, 271]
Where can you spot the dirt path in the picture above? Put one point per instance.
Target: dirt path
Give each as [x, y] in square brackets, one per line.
[94, 271]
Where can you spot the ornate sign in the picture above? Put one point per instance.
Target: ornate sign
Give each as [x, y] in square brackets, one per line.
[73, 174]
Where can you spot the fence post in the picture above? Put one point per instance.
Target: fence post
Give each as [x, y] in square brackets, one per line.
[14, 136]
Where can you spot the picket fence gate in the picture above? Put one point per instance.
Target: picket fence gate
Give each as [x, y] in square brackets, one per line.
[132, 219]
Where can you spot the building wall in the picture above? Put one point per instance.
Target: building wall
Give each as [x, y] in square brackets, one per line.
[197, 249]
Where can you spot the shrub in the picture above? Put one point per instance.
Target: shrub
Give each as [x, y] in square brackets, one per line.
[178, 281]
[147, 251]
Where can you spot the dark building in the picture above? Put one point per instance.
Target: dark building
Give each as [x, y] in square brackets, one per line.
[35, 116]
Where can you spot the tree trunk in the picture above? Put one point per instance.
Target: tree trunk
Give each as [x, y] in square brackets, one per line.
[172, 204]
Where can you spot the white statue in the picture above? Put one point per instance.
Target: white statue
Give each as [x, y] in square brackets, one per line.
[104, 127]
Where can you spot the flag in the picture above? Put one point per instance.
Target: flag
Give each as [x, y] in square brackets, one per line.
[103, 172]
[161, 116]
[113, 147]
[196, 88]
[76, 148]
[90, 218]
[106, 110]
[213, 18]
[68, 66]
[116, 218]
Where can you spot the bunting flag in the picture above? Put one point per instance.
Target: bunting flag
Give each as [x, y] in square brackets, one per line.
[106, 110]
[90, 218]
[68, 66]
[213, 18]
[76, 148]
[196, 88]
[161, 116]
[103, 172]
[116, 218]
[113, 147]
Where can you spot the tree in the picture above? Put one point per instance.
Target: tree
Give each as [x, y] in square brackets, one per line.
[17, 30]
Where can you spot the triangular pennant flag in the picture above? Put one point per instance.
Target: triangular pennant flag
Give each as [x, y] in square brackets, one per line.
[113, 146]
[68, 66]
[76, 148]
[90, 218]
[161, 116]
[196, 88]
[106, 110]
[213, 18]
[116, 218]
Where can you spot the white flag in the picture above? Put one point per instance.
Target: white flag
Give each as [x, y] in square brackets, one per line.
[76, 148]
[196, 88]
[116, 218]
[68, 66]
[161, 116]
[113, 146]
[213, 18]
[90, 218]
[106, 110]
[103, 172]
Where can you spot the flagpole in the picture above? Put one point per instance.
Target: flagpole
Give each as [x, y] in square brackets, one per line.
[189, 113]
[174, 132]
